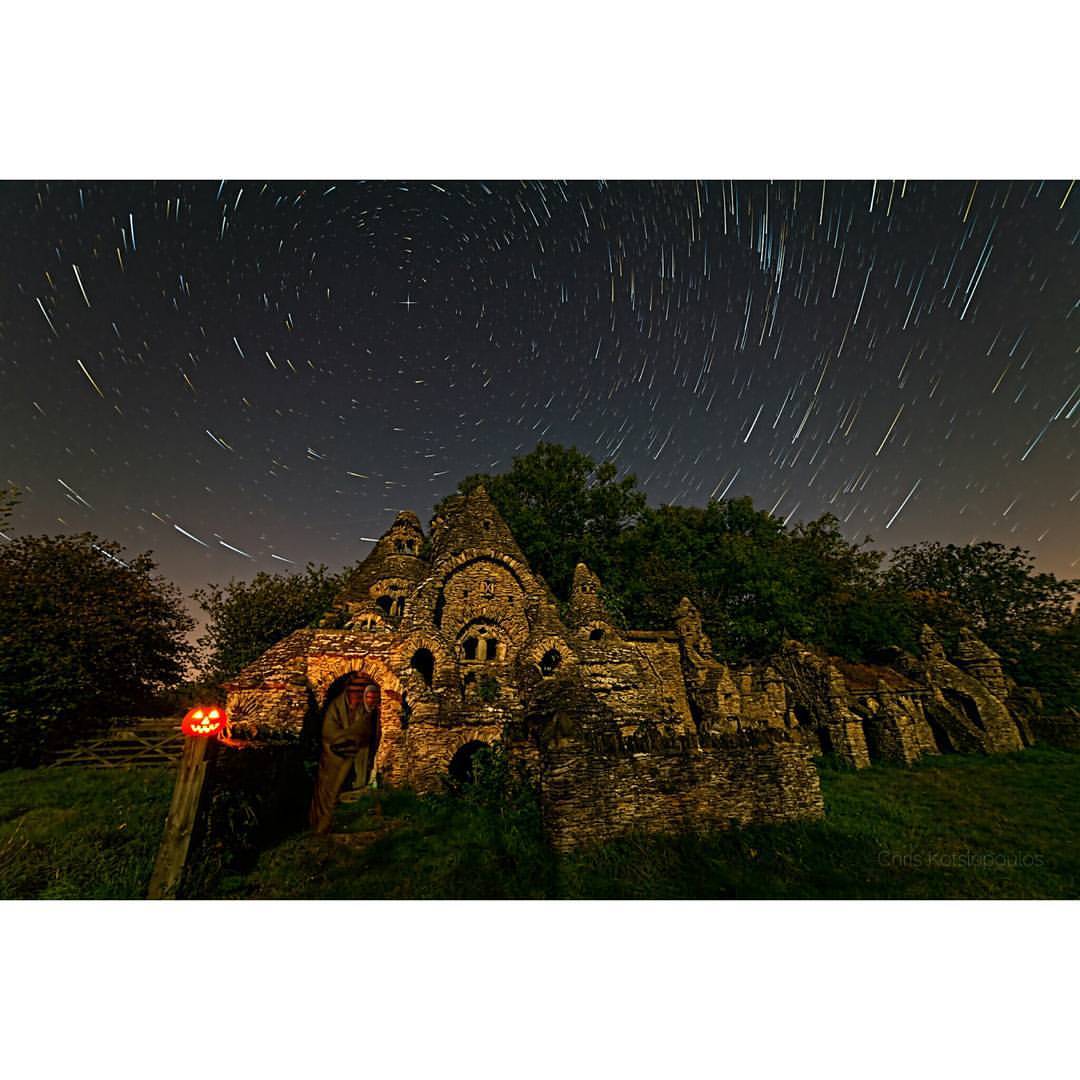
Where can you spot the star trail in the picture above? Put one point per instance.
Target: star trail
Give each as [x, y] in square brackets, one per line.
[246, 375]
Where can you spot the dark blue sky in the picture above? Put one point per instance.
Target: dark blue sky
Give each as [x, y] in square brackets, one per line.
[276, 368]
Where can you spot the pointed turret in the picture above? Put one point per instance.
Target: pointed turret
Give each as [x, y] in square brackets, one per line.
[381, 584]
[587, 612]
[471, 521]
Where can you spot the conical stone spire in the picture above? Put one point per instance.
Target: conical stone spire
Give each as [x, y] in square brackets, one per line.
[397, 557]
[471, 521]
[587, 608]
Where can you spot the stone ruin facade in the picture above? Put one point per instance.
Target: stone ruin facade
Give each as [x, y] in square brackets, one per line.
[621, 729]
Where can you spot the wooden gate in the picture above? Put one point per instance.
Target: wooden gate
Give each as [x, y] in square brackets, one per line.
[147, 741]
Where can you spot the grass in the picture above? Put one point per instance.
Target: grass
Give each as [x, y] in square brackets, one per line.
[76, 833]
[952, 827]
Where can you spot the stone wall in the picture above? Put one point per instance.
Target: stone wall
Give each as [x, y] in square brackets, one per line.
[818, 689]
[590, 795]
[1062, 730]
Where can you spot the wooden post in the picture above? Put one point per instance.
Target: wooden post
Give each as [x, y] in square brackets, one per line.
[183, 812]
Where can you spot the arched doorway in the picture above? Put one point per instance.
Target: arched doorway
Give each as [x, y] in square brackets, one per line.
[336, 689]
[462, 764]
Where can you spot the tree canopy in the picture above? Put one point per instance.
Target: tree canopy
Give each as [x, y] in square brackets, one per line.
[1028, 617]
[247, 617]
[86, 632]
[754, 581]
[563, 508]
[757, 582]
[993, 589]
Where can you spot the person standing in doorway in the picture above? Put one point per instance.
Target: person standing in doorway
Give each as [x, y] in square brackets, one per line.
[348, 735]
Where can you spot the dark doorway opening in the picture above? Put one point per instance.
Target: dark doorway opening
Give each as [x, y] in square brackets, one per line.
[826, 740]
[462, 764]
[941, 736]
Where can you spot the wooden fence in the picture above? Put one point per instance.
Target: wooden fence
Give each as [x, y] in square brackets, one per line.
[148, 741]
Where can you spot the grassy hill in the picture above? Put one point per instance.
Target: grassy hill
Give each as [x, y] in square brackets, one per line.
[955, 827]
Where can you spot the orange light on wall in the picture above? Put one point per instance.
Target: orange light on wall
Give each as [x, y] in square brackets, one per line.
[204, 721]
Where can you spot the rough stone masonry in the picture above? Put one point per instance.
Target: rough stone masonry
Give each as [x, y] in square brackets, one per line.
[623, 730]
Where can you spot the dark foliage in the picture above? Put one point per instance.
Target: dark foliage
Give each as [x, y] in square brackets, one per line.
[755, 582]
[1026, 616]
[247, 617]
[85, 633]
[9, 496]
[563, 508]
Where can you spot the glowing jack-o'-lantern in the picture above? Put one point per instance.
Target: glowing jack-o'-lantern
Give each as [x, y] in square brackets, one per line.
[205, 721]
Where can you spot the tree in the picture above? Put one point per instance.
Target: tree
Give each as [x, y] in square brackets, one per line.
[726, 557]
[247, 617]
[754, 582]
[85, 633]
[9, 496]
[563, 508]
[1052, 664]
[991, 588]
[851, 609]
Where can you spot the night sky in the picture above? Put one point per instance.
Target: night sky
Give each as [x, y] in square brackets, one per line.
[245, 376]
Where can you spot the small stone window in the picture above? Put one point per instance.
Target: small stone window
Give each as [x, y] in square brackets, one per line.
[399, 545]
[481, 645]
[487, 523]
[385, 603]
[549, 662]
[423, 663]
[597, 634]
[399, 606]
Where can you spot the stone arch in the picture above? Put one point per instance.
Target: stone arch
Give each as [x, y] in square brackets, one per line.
[533, 654]
[325, 671]
[550, 662]
[420, 638]
[521, 573]
[460, 766]
[483, 640]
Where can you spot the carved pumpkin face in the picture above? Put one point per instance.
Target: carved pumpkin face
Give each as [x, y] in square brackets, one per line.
[204, 721]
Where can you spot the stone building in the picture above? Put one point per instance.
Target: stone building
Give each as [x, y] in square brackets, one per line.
[621, 729]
